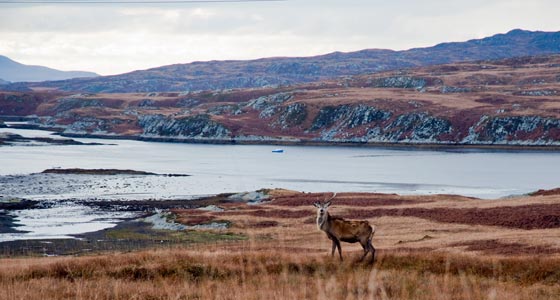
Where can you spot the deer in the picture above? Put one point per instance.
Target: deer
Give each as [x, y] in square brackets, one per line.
[341, 230]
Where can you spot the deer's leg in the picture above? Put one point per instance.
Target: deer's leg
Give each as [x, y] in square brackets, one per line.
[364, 246]
[333, 247]
[372, 250]
[339, 249]
[366, 250]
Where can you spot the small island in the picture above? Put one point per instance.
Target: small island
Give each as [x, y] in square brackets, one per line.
[78, 171]
[12, 139]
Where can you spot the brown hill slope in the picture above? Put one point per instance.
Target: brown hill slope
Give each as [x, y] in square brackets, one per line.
[507, 102]
[276, 71]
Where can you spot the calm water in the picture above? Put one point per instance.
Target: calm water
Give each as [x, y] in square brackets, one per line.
[225, 168]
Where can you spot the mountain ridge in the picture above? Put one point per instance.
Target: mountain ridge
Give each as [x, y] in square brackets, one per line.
[280, 71]
[13, 71]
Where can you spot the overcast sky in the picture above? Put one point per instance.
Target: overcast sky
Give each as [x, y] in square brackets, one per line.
[117, 38]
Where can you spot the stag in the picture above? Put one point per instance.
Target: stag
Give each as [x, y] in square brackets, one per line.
[340, 230]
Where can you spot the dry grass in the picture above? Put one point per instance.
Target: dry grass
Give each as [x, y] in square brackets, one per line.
[246, 273]
[286, 257]
[455, 224]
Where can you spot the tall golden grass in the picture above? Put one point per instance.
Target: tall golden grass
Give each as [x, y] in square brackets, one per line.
[242, 272]
[283, 256]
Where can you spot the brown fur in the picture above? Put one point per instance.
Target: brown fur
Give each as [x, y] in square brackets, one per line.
[341, 230]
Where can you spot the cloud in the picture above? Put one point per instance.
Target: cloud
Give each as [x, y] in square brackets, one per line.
[111, 39]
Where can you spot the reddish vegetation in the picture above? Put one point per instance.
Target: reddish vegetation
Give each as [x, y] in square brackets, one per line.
[195, 219]
[276, 213]
[353, 199]
[311, 220]
[497, 247]
[22, 104]
[538, 216]
[546, 192]
[413, 250]
[188, 212]
[292, 211]
[263, 224]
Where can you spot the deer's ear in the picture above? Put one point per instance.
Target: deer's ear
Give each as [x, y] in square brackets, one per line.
[327, 204]
[317, 204]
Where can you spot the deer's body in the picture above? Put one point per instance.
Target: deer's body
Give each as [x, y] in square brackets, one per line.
[340, 230]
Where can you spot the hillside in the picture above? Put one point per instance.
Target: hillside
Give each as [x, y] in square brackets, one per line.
[215, 75]
[15, 72]
[504, 102]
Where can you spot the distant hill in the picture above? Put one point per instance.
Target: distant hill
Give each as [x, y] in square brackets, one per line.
[3, 81]
[15, 72]
[272, 72]
[511, 102]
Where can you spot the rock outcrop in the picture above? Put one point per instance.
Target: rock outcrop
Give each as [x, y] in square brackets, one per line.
[523, 130]
[197, 127]
[292, 115]
[269, 105]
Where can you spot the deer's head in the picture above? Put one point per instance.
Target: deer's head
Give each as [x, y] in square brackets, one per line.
[321, 208]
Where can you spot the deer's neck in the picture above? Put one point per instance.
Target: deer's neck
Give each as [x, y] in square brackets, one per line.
[323, 221]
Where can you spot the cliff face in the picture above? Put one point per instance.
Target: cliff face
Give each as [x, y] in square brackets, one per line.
[199, 126]
[345, 123]
[507, 102]
[530, 130]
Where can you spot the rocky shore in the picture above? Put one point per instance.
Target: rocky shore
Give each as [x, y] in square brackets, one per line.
[78, 171]
[139, 232]
[7, 139]
[258, 140]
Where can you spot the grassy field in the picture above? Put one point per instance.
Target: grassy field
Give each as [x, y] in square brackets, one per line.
[429, 247]
[221, 273]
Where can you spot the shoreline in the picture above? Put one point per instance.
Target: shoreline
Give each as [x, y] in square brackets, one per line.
[129, 234]
[312, 143]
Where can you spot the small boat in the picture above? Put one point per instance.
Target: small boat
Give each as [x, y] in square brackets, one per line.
[278, 151]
